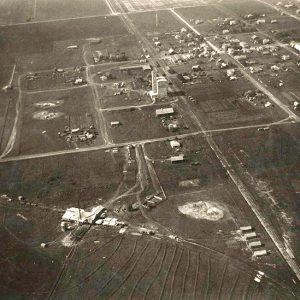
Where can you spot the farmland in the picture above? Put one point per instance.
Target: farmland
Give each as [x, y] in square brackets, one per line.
[146, 22]
[69, 9]
[149, 150]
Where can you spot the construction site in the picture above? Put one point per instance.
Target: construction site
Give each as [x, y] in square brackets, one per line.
[149, 149]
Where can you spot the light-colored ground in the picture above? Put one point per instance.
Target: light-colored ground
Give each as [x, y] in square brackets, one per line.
[211, 211]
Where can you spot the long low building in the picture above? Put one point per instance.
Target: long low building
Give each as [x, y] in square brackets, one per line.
[79, 215]
[164, 111]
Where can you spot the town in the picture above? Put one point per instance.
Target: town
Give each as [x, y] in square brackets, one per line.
[150, 149]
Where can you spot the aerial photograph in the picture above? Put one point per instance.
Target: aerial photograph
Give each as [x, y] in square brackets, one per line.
[150, 149]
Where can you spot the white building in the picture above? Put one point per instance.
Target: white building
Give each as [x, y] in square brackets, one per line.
[79, 215]
[159, 86]
[164, 112]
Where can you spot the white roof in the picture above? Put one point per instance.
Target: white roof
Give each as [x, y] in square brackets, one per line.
[177, 158]
[164, 111]
[80, 215]
[175, 144]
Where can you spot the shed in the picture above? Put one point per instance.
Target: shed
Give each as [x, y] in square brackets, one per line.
[177, 159]
[115, 123]
[175, 144]
[255, 244]
[259, 253]
[246, 228]
[250, 235]
[164, 111]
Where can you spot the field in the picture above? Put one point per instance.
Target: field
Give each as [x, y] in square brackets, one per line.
[67, 180]
[212, 185]
[78, 129]
[142, 124]
[39, 38]
[249, 7]
[270, 161]
[15, 11]
[39, 134]
[56, 9]
[225, 107]
[135, 5]
[146, 22]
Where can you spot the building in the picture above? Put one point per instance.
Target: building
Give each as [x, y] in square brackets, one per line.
[259, 253]
[162, 112]
[159, 86]
[250, 235]
[175, 144]
[79, 215]
[177, 159]
[136, 68]
[246, 228]
[115, 123]
[255, 244]
[295, 45]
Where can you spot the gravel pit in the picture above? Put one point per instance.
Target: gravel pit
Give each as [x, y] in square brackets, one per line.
[211, 211]
[46, 115]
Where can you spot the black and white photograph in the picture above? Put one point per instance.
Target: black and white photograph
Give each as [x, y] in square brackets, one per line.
[149, 149]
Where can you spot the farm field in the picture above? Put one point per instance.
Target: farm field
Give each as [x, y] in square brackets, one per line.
[15, 11]
[56, 9]
[39, 38]
[66, 180]
[249, 7]
[126, 266]
[136, 5]
[146, 22]
[225, 106]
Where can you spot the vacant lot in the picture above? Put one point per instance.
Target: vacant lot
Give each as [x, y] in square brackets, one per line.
[56, 9]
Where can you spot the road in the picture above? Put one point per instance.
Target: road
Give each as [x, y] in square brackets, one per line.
[235, 178]
[12, 138]
[145, 141]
